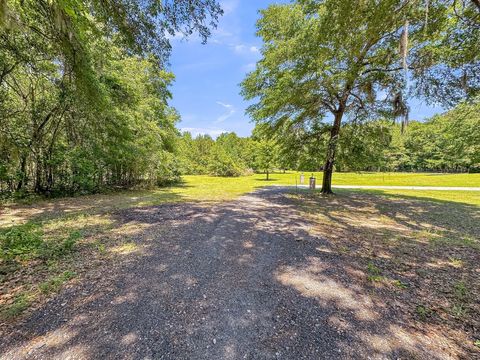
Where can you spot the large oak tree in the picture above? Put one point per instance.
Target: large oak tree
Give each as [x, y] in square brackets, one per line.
[338, 60]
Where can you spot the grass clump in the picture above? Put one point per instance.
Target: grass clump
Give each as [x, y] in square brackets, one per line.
[455, 262]
[20, 303]
[23, 241]
[399, 284]
[459, 310]
[59, 249]
[55, 283]
[374, 273]
[423, 312]
[460, 293]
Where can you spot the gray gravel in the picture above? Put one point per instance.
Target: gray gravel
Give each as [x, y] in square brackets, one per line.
[241, 280]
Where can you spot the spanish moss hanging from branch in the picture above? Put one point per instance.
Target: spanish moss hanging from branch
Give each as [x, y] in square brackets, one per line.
[400, 109]
[404, 45]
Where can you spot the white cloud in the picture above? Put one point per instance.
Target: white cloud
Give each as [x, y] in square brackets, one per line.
[228, 114]
[239, 49]
[221, 36]
[226, 106]
[245, 49]
[204, 131]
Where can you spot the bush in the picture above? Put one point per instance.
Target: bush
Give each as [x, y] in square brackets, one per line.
[222, 164]
[168, 171]
[20, 241]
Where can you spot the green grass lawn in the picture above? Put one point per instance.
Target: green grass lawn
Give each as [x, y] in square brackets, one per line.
[209, 188]
[384, 179]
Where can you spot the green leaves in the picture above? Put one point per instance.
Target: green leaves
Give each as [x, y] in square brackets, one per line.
[84, 93]
[20, 241]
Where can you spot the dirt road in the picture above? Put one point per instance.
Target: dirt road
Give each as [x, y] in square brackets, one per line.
[240, 280]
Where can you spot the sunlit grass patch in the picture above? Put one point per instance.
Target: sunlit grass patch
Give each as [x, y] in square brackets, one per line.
[399, 284]
[125, 249]
[374, 273]
[28, 242]
[457, 263]
[49, 238]
[21, 242]
[86, 223]
[427, 235]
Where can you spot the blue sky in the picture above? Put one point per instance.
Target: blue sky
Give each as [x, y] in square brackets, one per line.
[206, 89]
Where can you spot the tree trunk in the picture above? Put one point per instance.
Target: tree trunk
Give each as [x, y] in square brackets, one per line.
[38, 174]
[268, 175]
[23, 172]
[331, 152]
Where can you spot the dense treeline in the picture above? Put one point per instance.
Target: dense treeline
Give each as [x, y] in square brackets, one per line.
[53, 140]
[228, 155]
[445, 143]
[84, 92]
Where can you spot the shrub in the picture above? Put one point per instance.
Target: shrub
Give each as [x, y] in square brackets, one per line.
[22, 241]
[26, 242]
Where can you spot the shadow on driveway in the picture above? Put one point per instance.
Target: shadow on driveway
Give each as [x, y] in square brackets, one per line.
[247, 279]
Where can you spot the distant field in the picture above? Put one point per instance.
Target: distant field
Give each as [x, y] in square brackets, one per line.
[210, 188]
[386, 179]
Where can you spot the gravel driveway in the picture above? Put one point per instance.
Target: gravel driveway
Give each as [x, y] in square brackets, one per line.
[239, 280]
